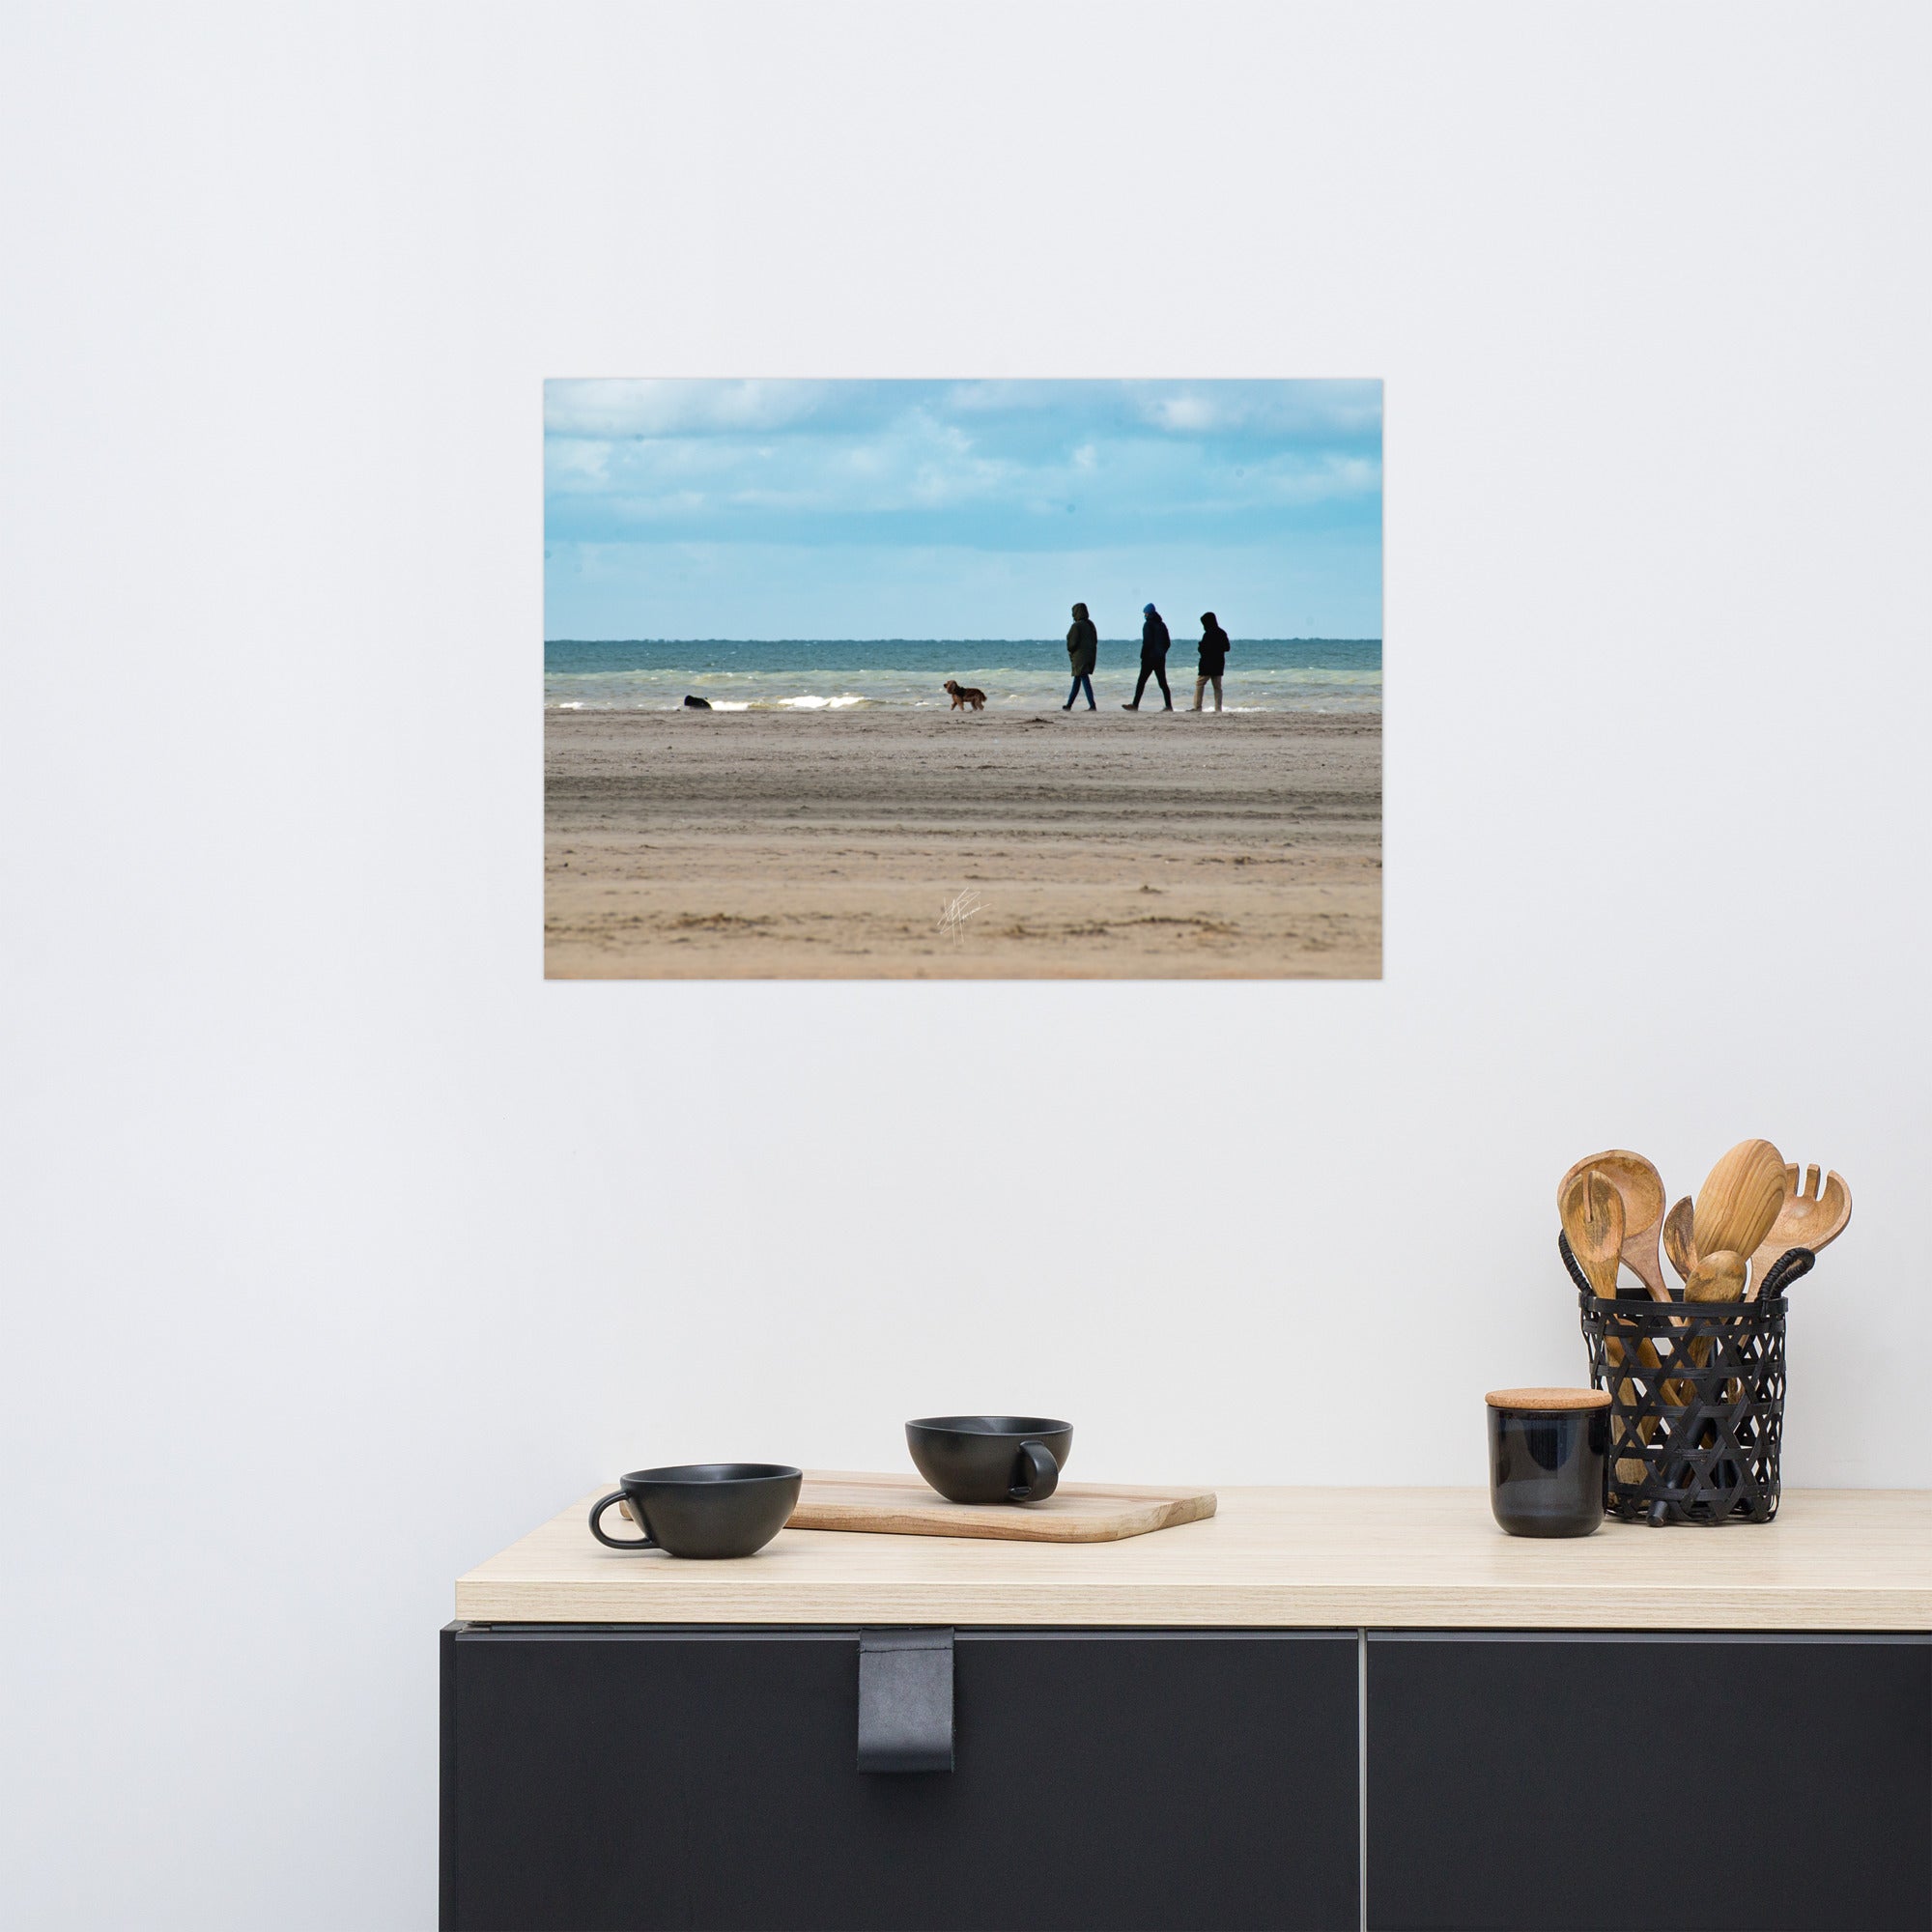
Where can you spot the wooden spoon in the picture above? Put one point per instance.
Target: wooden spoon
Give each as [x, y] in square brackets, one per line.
[1641, 1187]
[1739, 1201]
[1593, 1218]
[1716, 1277]
[1680, 1241]
[1808, 1217]
[1679, 1244]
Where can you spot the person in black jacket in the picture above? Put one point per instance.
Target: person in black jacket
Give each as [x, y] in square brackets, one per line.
[1214, 659]
[1154, 657]
[1083, 653]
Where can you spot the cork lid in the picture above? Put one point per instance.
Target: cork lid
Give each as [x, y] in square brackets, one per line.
[1549, 1401]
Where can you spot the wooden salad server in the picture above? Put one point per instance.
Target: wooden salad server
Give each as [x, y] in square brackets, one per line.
[1810, 1216]
[1641, 1188]
[1592, 1213]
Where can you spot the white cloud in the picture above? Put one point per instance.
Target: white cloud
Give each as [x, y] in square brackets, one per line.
[654, 407]
[1185, 414]
[1093, 460]
[1267, 409]
[578, 464]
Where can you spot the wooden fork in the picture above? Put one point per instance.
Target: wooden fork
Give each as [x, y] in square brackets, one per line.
[1810, 1216]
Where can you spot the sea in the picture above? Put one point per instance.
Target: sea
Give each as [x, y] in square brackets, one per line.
[1335, 675]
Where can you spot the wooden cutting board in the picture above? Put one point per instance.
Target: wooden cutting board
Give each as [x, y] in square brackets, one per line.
[1075, 1513]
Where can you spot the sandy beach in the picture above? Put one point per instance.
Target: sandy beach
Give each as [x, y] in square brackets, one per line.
[822, 845]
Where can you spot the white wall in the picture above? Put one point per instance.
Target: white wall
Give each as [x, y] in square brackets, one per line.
[341, 1248]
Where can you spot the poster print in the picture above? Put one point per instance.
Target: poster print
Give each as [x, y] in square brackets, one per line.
[1017, 680]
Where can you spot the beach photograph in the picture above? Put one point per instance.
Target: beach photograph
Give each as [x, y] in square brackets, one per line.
[962, 679]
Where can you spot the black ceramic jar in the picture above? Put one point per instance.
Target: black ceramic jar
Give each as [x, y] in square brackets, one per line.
[1549, 1459]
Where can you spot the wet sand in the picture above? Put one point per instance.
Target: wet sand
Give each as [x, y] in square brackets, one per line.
[717, 845]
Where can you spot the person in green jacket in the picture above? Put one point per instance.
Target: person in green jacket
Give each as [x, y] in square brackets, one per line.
[1083, 653]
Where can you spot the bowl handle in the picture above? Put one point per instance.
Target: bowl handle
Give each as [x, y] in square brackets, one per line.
[1041, 1477]
[597, 1510]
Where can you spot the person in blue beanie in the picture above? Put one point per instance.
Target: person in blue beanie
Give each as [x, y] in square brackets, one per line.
[1154, 657]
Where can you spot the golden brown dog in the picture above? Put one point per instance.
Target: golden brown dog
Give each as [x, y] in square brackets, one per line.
[965, 694]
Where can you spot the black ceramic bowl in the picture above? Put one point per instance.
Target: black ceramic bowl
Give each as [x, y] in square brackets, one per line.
[1549, 1460]
[990, 1458]
[703, 1509]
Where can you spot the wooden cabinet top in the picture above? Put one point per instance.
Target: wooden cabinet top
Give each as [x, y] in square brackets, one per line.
[1835, 1559]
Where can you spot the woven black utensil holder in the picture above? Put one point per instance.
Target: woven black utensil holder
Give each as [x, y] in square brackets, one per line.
[1696, 1402]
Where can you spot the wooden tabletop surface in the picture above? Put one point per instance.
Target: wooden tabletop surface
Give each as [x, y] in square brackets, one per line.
[1835, 1559]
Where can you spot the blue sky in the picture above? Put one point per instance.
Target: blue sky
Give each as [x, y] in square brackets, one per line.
[960, 509]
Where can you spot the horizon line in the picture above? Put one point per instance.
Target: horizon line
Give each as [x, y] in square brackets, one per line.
[1253, 640]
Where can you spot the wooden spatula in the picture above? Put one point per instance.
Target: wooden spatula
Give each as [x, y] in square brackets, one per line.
[1739, 1200]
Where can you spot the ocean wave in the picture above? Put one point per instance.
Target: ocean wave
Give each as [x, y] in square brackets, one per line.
[1266, 690]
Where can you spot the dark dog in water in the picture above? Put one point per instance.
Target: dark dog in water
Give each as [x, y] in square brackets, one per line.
[965, 694]
[697, 704]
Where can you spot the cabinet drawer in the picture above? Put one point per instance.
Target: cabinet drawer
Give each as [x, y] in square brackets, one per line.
[1606, 1784]
[601, 1779]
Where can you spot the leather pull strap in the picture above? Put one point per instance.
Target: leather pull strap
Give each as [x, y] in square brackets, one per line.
[905, 1700]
